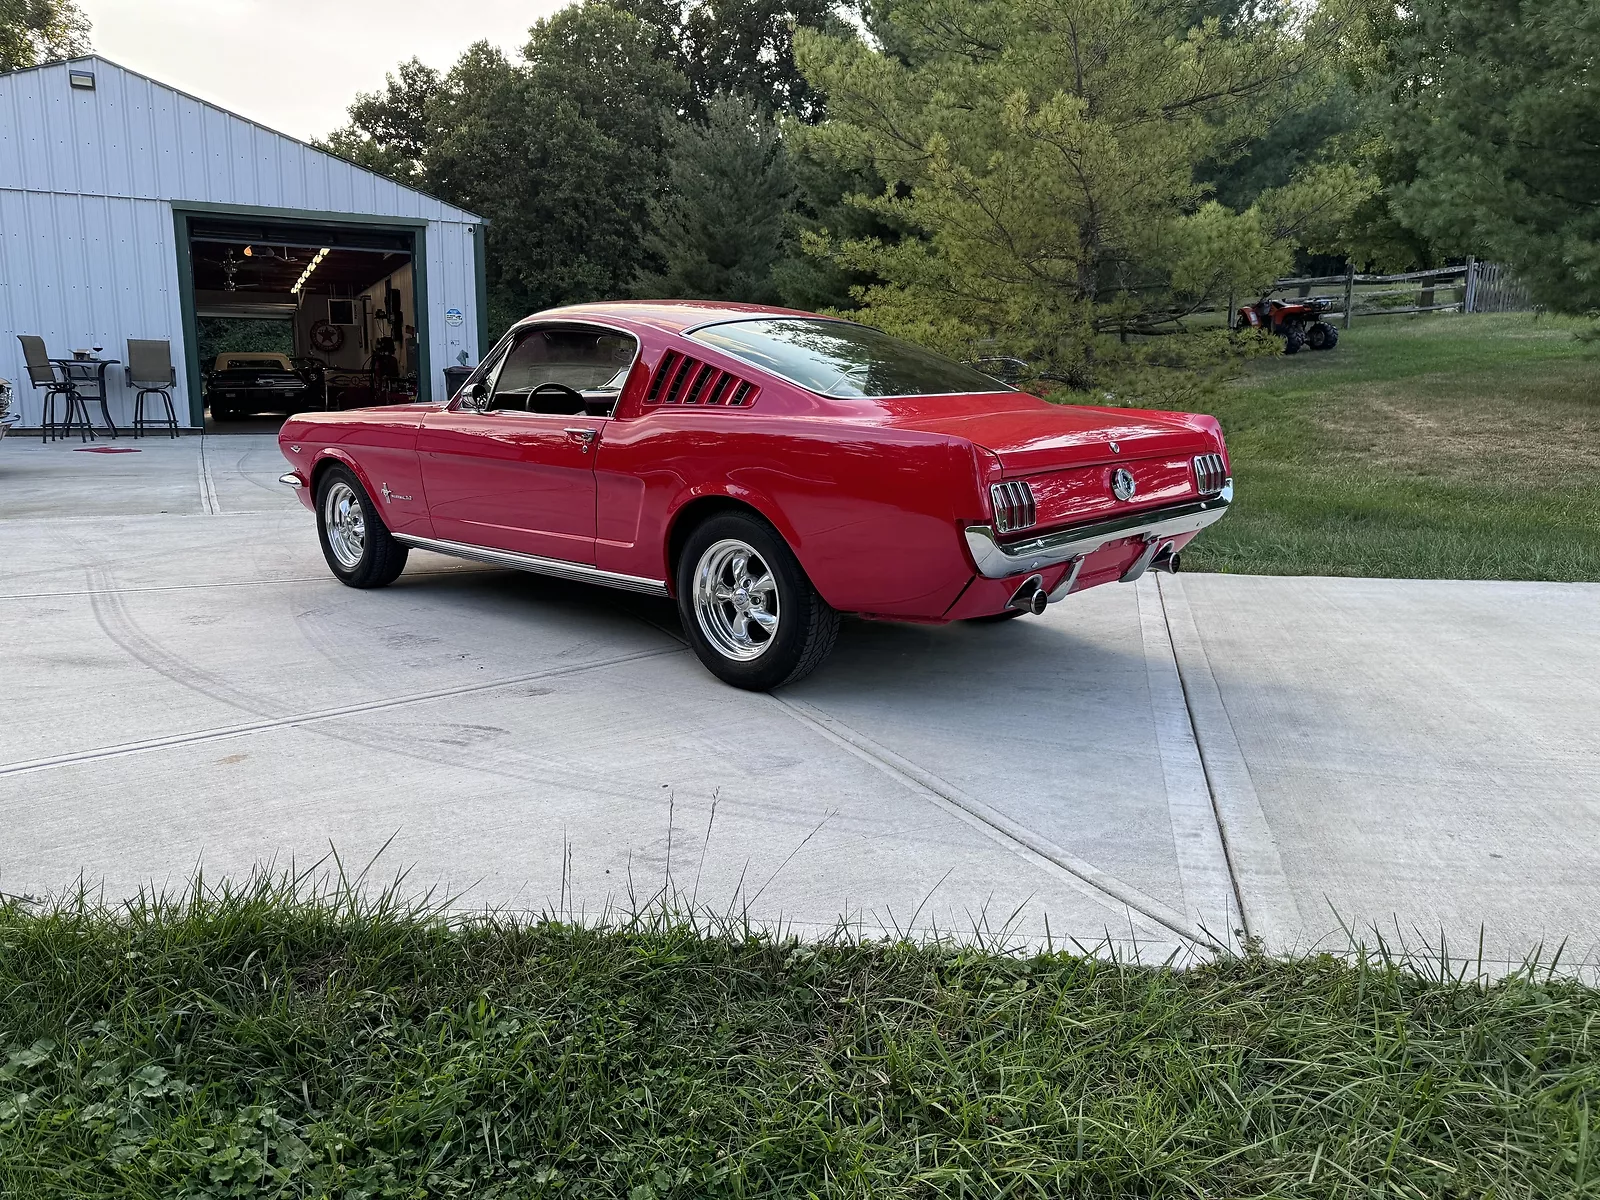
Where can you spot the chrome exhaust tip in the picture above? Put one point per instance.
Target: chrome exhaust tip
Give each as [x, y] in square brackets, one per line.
[1031, 596]
[1166, 559]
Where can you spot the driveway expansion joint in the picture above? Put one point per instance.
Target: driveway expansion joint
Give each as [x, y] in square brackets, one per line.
[1261, 887]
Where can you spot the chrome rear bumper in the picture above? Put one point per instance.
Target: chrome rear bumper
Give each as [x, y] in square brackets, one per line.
[996, 560]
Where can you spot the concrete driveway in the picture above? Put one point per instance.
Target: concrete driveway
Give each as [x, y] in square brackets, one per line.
[1169, 765]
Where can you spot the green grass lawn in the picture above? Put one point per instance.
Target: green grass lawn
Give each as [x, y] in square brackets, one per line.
[269, 1045]
[1446, 447]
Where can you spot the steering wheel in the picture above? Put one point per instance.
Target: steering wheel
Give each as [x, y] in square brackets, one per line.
[559, 389]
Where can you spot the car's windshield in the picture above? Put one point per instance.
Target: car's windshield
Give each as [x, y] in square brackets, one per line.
[589, 360]
[838, 358]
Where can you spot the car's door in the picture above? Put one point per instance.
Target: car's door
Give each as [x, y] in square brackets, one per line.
[501, 470]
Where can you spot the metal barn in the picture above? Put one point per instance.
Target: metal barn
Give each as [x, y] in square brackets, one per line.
[130, 210]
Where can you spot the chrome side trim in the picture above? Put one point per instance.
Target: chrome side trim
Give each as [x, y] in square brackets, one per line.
[996, 561]
[558, 568]
[292, 480]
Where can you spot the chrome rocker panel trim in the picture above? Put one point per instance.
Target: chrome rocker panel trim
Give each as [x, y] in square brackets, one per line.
[997, 561]
[558, 568]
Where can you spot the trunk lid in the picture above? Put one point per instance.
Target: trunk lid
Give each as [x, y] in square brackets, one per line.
[1029, 435]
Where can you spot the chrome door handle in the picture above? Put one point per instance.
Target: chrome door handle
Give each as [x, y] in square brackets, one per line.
[584, 436]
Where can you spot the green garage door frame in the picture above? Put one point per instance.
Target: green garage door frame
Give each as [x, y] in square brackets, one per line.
[415, 227]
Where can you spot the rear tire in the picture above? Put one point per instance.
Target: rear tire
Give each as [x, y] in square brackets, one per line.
[1323, 336]
[748, 610]
[360, 551]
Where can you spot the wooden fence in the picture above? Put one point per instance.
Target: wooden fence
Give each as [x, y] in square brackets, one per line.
[1479, 287]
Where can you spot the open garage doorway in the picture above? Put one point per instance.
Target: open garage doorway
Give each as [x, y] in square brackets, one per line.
[288, 315]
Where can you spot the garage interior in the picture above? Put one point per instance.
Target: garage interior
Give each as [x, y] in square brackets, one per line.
[294, 317]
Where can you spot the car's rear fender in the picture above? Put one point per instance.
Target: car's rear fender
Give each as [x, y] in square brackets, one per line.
[869, 514]
[698, 504]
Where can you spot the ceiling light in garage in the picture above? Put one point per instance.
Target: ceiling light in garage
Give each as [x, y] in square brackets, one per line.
[312, 266]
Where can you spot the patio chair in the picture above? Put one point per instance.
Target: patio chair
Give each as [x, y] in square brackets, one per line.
[150, 370]
[54, 381]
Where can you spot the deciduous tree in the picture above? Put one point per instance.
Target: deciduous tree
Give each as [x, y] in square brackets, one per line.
[390, 130]
[743, 47]
[35, 31]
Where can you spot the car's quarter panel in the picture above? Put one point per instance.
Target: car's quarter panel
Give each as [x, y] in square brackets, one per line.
[378, 444]
[514, 481]
[868, 511]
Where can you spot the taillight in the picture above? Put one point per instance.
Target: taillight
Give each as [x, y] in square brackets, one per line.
[1013, 506]
[1210, 473]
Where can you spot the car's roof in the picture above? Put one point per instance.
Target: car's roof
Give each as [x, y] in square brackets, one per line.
[672, 315]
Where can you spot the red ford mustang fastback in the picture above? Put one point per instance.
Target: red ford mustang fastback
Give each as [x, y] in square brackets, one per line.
[768, 469]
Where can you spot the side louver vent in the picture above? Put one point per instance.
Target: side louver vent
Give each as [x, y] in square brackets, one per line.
[1013, 506]
[680, 379]
[1209, 473]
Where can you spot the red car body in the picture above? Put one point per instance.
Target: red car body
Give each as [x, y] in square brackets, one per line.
[897, 507]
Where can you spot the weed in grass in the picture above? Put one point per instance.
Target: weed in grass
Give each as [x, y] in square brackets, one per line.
[273, 1040]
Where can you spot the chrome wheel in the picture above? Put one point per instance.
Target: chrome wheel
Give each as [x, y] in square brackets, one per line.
[346, 525]
[736, 600]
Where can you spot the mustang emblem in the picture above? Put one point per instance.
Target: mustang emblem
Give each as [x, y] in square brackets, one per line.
[391, 497]
[1123, 485]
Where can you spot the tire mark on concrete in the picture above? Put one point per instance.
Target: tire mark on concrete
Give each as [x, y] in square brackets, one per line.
[196, 587]
[118, 625]
[315, 716]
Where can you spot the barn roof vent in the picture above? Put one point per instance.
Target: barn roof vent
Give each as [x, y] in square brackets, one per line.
[81, 79]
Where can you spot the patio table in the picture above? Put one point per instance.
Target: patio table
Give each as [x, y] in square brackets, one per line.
[90, 369]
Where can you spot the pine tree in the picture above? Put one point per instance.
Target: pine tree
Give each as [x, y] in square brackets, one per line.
[719, 229]
[1497, 106]
[1044, 157]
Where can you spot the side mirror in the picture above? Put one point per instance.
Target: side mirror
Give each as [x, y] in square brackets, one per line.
[478, 394]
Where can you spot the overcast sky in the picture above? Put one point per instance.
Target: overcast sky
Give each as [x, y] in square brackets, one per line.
[295, 65]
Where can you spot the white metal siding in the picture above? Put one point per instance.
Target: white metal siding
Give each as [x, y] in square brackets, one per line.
[452, 283]
[134, 137]
[82, 271]
[87, 182]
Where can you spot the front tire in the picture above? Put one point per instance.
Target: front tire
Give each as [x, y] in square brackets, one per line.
[360, 551]
[1292, 341]
[748, 610]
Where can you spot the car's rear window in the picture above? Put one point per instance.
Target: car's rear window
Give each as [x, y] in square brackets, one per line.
[842, 359]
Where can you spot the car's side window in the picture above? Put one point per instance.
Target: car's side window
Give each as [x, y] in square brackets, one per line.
[565, 369]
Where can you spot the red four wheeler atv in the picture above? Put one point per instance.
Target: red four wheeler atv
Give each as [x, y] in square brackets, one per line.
[1298, 322]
